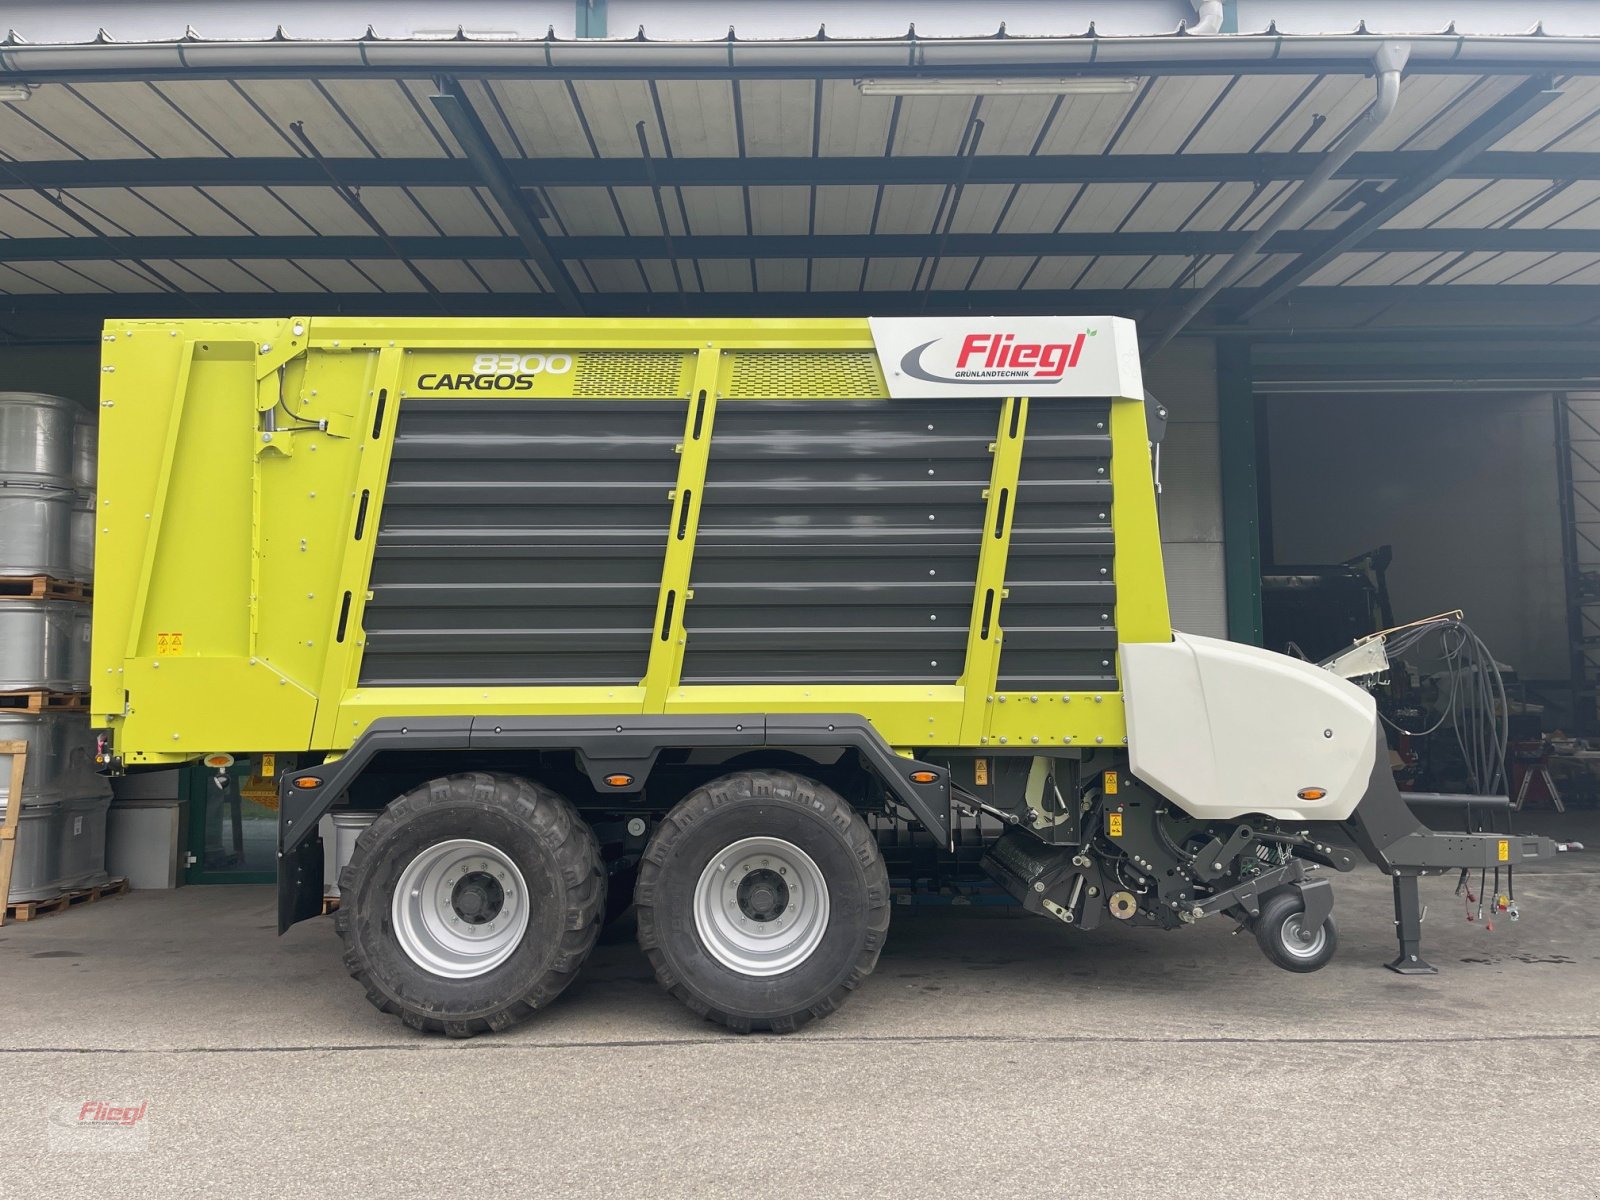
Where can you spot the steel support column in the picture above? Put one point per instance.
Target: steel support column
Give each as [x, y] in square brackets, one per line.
[1241, 514]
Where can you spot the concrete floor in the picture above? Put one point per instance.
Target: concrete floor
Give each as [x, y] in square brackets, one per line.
[993, 1056]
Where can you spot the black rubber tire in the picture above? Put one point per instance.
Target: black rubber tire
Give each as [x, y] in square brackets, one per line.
[818, 821]
[560, 863]
[1276, 910]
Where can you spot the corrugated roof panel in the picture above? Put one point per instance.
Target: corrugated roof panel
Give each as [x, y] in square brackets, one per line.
[715, 210]
[1578, 207]
[950, 274]
[1264, 268]
[1462, 266]
[1341, 268]
[338, 275]
[382, 112]
[323, 210]
[450, 275]
[61, 113]
[1056, 272]
[16, 282]
[223, 276]
[1384, 270]
[1166, 206]
[227, 117]
[780, 209]
[182, 278]
[725, 274]
[284, 101]
[1422, 99]
[781, 274]
[1011, 124]
[835, 274]
[1175, 105]
[419, 92]
[1037, 207]
[62, 277]
[1328, 206]
[1581, 137]
[24, 214]
[929, 125]
[584, 211]
[1108, 272]
[112, 276]
[194, 208]
[890, 274]
[1500, 268]
[845, 209]
[909, 208]
[1085, 124]
[124, 211]
[639, 213]
[387, 274]
[459, 212]
[662, 279]
[1261, 207]
[777, 116]
[1102, 206]
[1491, 205]
[1163, 271]
[140, 110]
[506, 275]
[1559, 121]
[259, 210]
[1589, 274]
[1000, 273]
[1222, 201]
[528, 117]
[699, 119]
[397, 212]
[20, 141]
[1555, 268]
[1247, 112]
[852, 124]
[979, 207]
[1428, 207]
[283, 276]
[1339, 98]
[612, 107]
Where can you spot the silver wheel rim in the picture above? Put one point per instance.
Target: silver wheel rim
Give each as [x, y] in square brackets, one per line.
[761, 906]
[460, 909]
[1297, 942]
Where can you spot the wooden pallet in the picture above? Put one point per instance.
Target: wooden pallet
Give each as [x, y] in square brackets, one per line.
[27, 910]
[330, 905]
[38, 701]
[43, 587]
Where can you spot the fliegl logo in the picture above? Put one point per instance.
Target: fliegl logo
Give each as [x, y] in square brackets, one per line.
[979, 358]
[496, 373]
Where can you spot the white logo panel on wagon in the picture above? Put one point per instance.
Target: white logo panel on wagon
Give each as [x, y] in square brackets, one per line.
[1008, 356]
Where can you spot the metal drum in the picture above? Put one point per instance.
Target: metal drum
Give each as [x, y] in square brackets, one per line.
[80, 538]
[60, 845]
[60, 758]
[36, 438]
[44, 644]
[348, 825]
[35, 529]
[85, 452]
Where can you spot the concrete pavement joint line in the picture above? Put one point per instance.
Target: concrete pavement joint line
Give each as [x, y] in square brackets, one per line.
[735, 1040]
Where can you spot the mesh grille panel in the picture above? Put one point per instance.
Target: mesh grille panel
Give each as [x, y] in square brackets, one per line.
[625, 374]
[807, 374]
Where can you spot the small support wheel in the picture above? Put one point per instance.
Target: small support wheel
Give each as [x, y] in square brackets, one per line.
[1286, 938]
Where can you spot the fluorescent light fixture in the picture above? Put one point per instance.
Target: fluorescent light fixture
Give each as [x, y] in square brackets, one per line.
[1087, 85]
[15, 93]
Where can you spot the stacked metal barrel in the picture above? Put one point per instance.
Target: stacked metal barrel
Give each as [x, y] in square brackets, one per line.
[47, 480]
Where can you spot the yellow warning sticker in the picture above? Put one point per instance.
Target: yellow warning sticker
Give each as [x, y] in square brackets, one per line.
[168, 644]
[1111, 783]
[1503, 851]
[269, 765]
[980, 771]
[1114, 824]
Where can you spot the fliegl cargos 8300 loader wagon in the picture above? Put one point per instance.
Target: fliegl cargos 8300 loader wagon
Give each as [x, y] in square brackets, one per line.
[751, 622]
